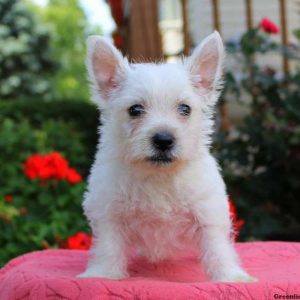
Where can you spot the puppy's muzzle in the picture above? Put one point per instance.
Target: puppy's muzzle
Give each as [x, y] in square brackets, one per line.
[163, 144]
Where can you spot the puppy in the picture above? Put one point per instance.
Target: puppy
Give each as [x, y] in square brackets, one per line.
[154, 186]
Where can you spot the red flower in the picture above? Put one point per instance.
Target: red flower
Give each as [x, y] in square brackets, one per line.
[57, 165]
[73, 176]
[78, 241]
[118, 39]
[237, 224]
[50, 166]
[268, 26]
[35, 167]
[9, 198]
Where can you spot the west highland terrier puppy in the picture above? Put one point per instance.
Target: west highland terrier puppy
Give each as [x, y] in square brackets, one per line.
[154, 186]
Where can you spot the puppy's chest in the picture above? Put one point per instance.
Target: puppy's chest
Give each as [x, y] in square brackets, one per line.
[152, 228]
[157, 216]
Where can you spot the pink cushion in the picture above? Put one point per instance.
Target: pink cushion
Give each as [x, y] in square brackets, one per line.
[51, 274]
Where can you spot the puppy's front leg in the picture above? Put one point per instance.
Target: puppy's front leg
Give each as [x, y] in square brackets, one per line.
[219, 257]
[108, 254]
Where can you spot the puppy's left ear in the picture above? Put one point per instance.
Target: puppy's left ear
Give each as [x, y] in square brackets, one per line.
[206, 63]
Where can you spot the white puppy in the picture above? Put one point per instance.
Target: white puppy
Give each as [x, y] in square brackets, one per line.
[154, 186]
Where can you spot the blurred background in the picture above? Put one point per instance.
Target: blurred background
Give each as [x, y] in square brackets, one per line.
[48, 125]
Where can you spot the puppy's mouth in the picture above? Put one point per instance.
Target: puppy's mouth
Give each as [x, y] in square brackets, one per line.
[161, 159]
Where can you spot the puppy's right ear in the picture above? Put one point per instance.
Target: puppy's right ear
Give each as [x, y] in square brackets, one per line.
[106, 66]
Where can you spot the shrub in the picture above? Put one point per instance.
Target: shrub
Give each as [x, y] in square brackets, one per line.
[41, 211]
[34, 215]
[261, 157]
[25, 55]
[58, 125]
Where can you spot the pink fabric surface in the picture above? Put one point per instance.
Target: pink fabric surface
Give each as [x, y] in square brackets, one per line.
[51, 274]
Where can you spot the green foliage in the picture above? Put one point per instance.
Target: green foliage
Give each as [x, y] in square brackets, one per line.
[25, 58]
[252, 42]
[70, 28]
[41, 213]
[42, 50]
[261, 157]
[79, 117]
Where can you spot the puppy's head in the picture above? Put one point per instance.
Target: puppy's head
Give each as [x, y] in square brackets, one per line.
[156, 115]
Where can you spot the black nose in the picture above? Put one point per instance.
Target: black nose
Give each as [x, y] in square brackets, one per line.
[163, 141]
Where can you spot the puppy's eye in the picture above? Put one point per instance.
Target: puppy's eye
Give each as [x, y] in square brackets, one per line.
[184, 109]
[136, 110]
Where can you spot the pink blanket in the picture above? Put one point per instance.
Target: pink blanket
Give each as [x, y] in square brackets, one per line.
[51, 274]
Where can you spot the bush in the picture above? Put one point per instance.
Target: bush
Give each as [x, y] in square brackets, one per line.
[261, 157]
[33, 215]
[64, 126]
[25, 54]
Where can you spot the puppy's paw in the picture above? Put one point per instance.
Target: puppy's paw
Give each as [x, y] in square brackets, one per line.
[102, 274]
[241, 278]
[237, 276]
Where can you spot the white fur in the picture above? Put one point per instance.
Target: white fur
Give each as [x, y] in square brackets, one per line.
[157, 209]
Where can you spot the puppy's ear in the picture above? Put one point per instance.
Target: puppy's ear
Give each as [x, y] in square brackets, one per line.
[206, 63]
[106, 66]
